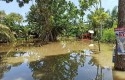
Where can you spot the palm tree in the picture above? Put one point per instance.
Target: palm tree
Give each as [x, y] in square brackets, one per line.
[6, 34]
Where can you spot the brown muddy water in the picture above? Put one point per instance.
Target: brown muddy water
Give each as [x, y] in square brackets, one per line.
[64, 60]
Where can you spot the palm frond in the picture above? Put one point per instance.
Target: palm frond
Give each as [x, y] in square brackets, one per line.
[5, 33]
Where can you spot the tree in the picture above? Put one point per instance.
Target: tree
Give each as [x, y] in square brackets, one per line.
[2, 16]
[47, 18]
[51, 17]
[97, 18]
[113, 19]
[6, 34]
[86, 5]
[114, 15]
[51, 21]
[119, 59]
[13, 21]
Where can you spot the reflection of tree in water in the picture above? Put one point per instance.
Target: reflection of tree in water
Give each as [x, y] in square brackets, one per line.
[15, 54]
[99, 73]
[3, 65]
[59, 67]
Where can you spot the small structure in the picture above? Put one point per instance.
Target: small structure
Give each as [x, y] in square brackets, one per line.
[92, 46]
[91, 31]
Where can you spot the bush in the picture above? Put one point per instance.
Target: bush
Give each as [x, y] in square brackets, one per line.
[108, 35]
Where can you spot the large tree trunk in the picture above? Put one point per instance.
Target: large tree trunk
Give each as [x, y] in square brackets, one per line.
[120, 59]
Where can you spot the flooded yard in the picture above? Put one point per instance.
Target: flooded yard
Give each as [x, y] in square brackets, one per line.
[63, 60]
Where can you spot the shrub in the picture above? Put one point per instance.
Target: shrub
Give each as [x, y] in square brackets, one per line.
[108, 35]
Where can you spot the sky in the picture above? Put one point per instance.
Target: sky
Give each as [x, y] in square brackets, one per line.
[13, 6]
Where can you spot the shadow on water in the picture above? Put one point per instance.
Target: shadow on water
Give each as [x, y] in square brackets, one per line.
[70, 66]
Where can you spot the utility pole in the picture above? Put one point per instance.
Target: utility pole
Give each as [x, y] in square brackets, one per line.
[119, 63]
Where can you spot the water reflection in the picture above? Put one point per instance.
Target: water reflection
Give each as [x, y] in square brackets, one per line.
[57, 61]
[4, 67]
[61, 67]
[70, 66]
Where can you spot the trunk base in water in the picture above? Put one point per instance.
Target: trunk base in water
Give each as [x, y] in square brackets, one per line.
[120, 62]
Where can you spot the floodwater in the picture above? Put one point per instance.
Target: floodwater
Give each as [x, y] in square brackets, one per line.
[65, 60]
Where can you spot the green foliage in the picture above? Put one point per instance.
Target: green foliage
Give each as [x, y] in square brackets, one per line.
[108, 35]
[85, 5]
[108, 25]
[6, 34]
[13, 21]
[58, 17]
[98, 17]
[52, 20]
[113, 19]
[2, 16]
[97, 20]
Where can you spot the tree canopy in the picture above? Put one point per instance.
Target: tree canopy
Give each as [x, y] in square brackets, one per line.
[5, 34]
[52, 18]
